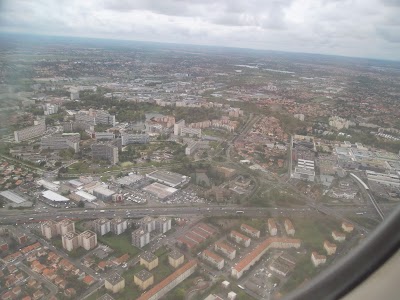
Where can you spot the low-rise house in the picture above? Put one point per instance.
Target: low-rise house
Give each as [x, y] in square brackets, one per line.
[347, 227]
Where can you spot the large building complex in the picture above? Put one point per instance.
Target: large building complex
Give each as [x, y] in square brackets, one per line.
[134, 138]
[61, 141]
[169, 178]
[104, 151]
[30, 132]
[251, 258]
[170, 282]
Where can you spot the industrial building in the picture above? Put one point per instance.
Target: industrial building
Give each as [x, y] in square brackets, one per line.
[384, 179]
[30, 132]
[55, 199]
[83, 196]
[169, 178]
[159, 190]
[105, 151]
[305, 170]
[14, 200]
[140, 238]
[103, 193]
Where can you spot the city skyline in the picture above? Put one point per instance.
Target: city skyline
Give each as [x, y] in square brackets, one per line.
[344, 28]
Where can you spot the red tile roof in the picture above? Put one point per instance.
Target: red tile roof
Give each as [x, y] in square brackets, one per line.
[249, 228]
[225, 246]
[157, 288]
[238, 234]
[212, 255]
[260, 248]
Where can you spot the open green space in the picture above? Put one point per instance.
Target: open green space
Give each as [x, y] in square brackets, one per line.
[364, 221]
[314, 231]
[120, 243]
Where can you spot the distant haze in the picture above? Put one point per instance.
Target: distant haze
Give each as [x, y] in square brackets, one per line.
[361, 28]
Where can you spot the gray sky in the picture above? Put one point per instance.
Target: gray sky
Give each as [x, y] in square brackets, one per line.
[366, 28]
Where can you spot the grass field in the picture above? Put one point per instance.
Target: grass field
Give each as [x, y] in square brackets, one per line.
[120, 243]
[364, 221]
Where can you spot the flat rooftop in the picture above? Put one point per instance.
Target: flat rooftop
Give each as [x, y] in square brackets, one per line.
[159, 190]
[13, 197]
[52, 196]
[169, 178]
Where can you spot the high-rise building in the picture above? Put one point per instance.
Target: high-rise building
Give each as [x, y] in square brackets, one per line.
[148, 223]
[70, 241]
[88, 239]
[163, 224]
[102, 226]
[49, 229]
[65, 226]
[114, 283]
[118, 226]
[104, 151]
[140, 238]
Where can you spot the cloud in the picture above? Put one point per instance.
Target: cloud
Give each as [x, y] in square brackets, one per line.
[345, 27]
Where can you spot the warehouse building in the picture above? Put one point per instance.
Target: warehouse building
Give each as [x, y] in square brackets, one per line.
[159, 190]
[14, 200]
[169, 178]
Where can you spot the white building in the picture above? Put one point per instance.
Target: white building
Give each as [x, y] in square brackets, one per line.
[140, 238]
[163, 224]
[102, 226]
[118, 226]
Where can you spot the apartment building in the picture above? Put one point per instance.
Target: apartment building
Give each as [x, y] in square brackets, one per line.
[140, 238]
[102, 136]
[272, 228]
[118, 226]
[338, 236]
[49, 229]
[214, 259]
[65, 226]
[30, 132]
[330, 248]
[317, 259]
[114, 283]
[289, 228]
[88, 240]
[225, 249]
[61, 142]
[134, 138]
[254, 233]
[149, 260]
[70, 240]
[147, 223]
[347, 227]
[143, 279]
[240, 238]
[193, 146]
[102, 226]
[163, 224]
[170, 282]
[253, 256]
[175, 258]
[104, 151]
